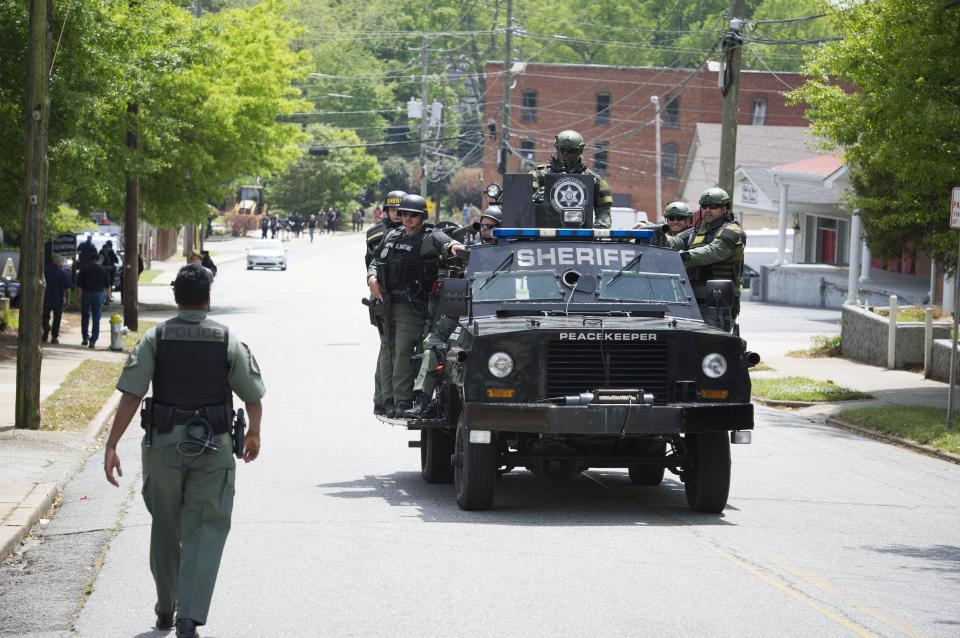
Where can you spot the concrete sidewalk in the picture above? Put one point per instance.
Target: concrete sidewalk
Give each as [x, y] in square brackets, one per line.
[36, 465]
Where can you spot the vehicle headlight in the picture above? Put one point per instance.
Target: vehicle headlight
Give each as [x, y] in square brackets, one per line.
[500, 364]
[714, 365]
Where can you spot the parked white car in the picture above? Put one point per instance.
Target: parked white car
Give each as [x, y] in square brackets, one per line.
[267, 253]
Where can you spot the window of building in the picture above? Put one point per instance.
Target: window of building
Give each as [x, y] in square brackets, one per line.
[671, 113]
[528, 112]
[600, 157]
[603, 109]
[526, 151]
[759, 112]
[668, 160]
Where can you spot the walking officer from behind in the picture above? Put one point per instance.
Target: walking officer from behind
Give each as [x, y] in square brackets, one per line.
[401, 276]
[713, 249]
[569, 145]
[382, 376]
[194, 366]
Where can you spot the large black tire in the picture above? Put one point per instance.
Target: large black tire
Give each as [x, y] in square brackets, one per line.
[475, 472]
[436, 448]
[648, 475]
[707, 474]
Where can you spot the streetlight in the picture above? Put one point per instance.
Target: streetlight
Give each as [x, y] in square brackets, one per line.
[656, 127]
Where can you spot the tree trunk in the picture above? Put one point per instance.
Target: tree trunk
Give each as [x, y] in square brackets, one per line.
[33, 222]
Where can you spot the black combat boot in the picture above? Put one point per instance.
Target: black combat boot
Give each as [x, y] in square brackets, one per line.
[402, 407]
[419, 408]
[164, 618]
[187, 628]
[379, 410]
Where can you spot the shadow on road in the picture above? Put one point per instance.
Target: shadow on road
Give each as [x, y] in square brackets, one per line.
[938, 558]
[595, 498]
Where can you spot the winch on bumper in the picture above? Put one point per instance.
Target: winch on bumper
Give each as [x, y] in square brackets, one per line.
[609, 419]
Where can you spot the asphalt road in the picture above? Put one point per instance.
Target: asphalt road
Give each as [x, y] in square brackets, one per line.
[335, 533]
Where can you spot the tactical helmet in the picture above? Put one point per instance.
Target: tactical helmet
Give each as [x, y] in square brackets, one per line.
[413, 204]
[569, 141]
[494, 213]
[393, 199]
[714, 197]
[678, 209]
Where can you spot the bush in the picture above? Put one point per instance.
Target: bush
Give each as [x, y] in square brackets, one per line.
[820, 346]
[240, 225]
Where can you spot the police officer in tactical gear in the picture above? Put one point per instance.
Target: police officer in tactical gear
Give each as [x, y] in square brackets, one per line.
[713, 249]
[402, 275]
[383, 400]
[194, 365]
[435, 343]
[678, 216]
[491, 218]
[569, 145]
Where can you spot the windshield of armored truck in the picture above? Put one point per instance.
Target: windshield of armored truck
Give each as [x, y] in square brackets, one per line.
[525, 285]
[249, 193]
[642, 286]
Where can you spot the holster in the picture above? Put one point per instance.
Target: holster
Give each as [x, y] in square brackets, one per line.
[237, 433]
[146, 421]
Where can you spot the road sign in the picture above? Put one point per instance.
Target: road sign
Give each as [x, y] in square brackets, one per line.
[65, 244]
[955, 208]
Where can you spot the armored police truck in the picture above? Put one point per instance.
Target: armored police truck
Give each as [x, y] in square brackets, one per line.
[584, 348]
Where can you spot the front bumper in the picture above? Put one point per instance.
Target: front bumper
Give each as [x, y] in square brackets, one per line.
[609, 419]
[267, 262]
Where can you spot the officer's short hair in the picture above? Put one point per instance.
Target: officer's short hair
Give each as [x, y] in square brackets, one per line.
[192, 286]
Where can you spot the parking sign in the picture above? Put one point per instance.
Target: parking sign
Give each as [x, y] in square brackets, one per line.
[955, 208]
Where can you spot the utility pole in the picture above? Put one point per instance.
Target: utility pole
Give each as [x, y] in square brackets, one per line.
[34, 215]
[131, 274]
[656, 128]
[507, 65]
[424, 96]
[732, 53]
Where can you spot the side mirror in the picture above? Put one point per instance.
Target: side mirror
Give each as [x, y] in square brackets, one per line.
[720, 293]
[454, 297]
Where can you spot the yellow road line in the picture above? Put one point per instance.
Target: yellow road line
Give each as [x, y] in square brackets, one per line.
[761, 573]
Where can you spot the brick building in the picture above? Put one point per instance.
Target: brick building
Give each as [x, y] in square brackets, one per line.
[611, 108]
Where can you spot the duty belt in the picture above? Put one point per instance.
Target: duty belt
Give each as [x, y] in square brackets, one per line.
[167, 416]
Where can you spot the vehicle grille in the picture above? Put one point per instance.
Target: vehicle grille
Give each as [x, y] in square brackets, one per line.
[582, 366]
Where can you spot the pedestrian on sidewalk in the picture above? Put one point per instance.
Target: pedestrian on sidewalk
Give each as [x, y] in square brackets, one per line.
[92, 281]
[58, 283]
[194, 366]
[110, 261]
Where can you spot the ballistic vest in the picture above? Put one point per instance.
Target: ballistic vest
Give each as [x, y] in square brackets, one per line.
[191, 370]
[405, 267]
[730, 268]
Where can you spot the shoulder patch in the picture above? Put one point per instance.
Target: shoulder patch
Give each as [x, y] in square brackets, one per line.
[731, 233]
[251, 360]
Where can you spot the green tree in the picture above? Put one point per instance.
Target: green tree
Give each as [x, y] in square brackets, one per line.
[338, 179]
[898, 129]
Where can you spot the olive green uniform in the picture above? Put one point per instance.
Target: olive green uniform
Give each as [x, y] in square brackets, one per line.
[426, 382]
[382, 376]
[712, 251]
[189, 497]
[602, 199]
[407, 306]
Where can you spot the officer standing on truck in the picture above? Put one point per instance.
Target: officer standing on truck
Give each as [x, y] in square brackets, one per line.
[194, 365]
[401, 276]
[382, 383]
[569, 145]
[678, 217]
[435, 344]
[713, 249]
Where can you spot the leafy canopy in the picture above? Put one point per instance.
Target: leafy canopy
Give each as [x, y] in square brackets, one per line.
[900, 128]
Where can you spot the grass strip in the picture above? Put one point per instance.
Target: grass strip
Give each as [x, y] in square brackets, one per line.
[762, 367]
[148, 276]
[131, 338]
[924, 425]
[804, 389]
[820, 346]
[80, 397]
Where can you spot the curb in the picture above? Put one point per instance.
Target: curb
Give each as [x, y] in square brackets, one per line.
[39, 501]
[894, 440]
[773, 403]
